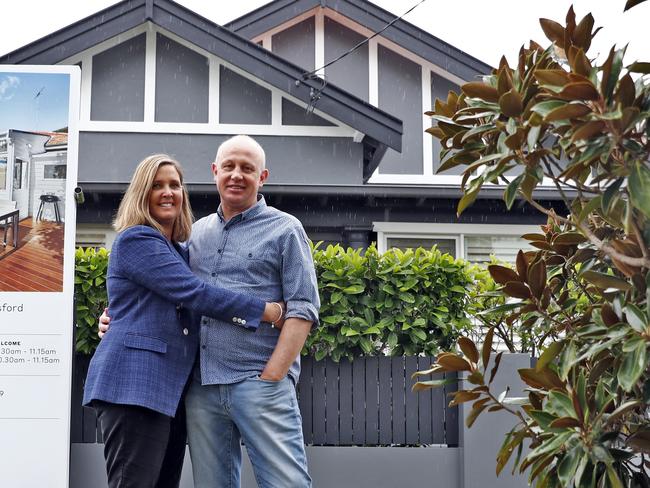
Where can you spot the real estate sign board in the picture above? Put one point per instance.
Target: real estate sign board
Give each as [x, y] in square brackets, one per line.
[39, 108]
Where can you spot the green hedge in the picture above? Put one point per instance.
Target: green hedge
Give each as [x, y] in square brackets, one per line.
[396, 303]
[90, 296]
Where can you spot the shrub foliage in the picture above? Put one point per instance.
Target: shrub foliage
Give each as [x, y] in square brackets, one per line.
[90, 296]
[399, 303]
[560, 116]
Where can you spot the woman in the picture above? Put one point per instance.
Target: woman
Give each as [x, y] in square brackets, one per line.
[139, 372]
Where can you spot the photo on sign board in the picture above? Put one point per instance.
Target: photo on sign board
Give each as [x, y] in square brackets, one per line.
[33, 162]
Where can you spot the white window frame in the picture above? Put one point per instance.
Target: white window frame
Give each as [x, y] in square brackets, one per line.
[386, 230]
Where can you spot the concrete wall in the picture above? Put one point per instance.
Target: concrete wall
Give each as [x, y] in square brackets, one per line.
[340, 467]
[482, 441]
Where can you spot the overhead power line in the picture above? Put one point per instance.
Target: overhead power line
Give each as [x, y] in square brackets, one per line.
[310, 74]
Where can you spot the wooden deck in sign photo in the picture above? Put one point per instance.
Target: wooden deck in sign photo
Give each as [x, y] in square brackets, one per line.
[36, 264]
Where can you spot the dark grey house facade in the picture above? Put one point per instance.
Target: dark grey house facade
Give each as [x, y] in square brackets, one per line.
[345, 145]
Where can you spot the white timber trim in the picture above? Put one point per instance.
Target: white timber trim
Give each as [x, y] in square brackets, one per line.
[319, 42]
[373, 73]
[289, 23]
[427, 143]
[386, 230]
[86, 88]
[202, 128]
[150, 76]
[412, 179]
[108, 43]
[350, 24]
[213, 91]
[276, 109]
[149, 125]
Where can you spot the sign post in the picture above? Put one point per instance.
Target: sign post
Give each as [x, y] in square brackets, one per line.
[39, 108]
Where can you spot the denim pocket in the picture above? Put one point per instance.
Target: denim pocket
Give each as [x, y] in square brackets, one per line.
[269, 382]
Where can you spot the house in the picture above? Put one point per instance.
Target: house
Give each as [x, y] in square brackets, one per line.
[33, 164]
[348, 153]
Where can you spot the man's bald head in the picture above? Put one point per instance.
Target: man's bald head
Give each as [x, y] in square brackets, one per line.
[242, 142]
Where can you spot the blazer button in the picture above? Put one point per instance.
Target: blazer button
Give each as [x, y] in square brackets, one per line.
[235, 319]
[243, 322]
[185, 331]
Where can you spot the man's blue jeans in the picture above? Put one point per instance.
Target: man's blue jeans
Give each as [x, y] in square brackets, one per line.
[265, 414]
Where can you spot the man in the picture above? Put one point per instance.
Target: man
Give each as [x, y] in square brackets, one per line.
[244, 386]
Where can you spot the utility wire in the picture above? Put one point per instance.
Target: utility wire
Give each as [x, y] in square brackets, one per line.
[310, 74]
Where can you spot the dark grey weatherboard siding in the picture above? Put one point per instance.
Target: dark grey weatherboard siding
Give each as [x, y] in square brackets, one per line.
[382, 129]
[440, 88]
[242, 101]
[297, 44]
[293, 114]
[118, 82]
[400, 94]
[182, 83]
[112, 157]
[351, 72]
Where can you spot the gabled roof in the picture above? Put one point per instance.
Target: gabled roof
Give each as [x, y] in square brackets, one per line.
[381, 129]
[371, 17]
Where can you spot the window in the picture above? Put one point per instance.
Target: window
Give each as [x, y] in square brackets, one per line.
[3, 173]
[19, 166]
[55, 171]
[445, 245]
[473, 242]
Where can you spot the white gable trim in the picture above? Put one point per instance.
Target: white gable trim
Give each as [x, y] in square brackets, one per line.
[149, 125]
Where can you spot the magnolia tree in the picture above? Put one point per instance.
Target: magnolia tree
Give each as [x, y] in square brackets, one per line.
[557, 116]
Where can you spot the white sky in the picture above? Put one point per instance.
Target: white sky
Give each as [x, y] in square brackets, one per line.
[486, 29]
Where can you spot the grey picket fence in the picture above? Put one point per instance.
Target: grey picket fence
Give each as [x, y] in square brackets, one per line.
[365, 402]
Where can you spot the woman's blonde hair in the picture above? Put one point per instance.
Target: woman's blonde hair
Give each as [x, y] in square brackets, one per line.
[134, 207]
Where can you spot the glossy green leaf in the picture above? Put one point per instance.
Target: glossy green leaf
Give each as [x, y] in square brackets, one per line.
[605, 281]
[550, 353]
[632, 367]
[636, 318]
[567, 467]
[511, 191]
[639, 187]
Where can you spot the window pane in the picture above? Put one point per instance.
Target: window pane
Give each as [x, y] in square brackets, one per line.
[18, 174]
[445, 246]
[55, 171]
[478, 249]
[3, 173]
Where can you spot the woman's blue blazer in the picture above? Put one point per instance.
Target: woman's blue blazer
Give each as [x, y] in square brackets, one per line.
[147, 355]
